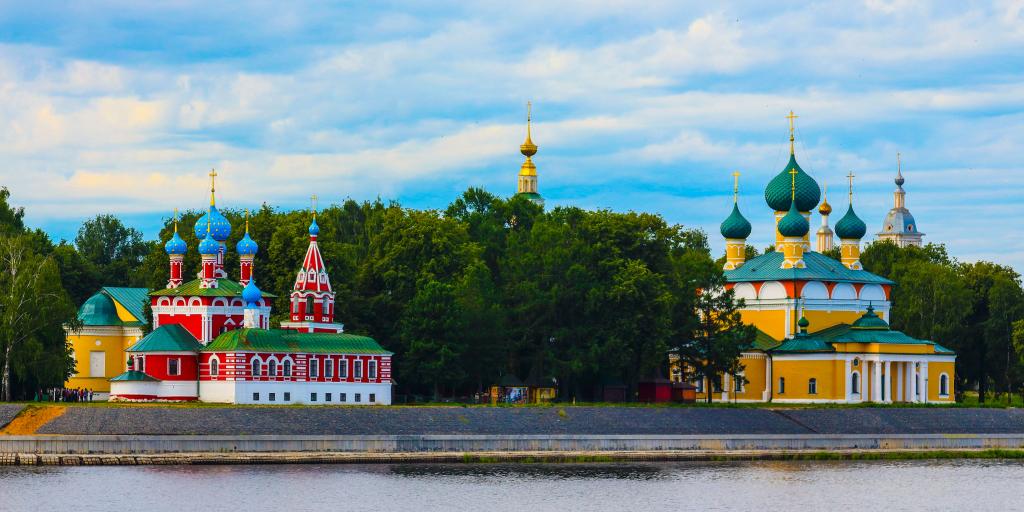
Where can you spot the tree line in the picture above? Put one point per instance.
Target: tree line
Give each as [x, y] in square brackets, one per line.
[492, 286]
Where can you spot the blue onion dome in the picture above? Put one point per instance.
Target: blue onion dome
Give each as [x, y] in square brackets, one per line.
[850, 227]
[251, 293]
[314, 229]
[779, 192]
[247, 246]
[735, 226]
[220, 228]
[176, 245]
[793, 223]
[208, 245]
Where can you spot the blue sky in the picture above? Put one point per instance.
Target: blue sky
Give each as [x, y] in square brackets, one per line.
[123, 107]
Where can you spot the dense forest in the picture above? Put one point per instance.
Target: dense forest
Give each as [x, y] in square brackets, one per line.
[491, 286]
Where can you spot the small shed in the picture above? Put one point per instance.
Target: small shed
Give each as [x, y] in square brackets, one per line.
[542, 389]
[684, 392]
[655, 390]
[611, 390]
[509, 390]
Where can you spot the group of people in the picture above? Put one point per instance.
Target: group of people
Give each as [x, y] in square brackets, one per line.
[64, 395]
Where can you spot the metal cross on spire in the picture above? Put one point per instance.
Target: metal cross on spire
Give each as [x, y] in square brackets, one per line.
[793, 173]
[850, 176]
[792, 130]
[312, 201]
[246, 220]
[175, 220]
[735, 186]
[213, 177]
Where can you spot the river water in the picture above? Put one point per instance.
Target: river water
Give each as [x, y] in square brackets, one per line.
[974, 485]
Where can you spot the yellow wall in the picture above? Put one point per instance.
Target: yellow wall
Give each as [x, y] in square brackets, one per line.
[936, 369]
[821, 320]
[830, 375]
[753, 370]
[115, 359]
[772, 322]
[882, 348]
[123, 313]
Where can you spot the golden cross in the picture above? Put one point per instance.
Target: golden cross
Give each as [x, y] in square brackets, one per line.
[246, 220]
[313, 202]
[793, 173]
[791, 117]
[213, 177]
[175, 220]
[735, 186]
[850, 176]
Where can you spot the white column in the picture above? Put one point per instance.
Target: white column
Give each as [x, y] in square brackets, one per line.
[887, 386]
[924, 381]
[876, 381]
[846, 384]
[897, 388]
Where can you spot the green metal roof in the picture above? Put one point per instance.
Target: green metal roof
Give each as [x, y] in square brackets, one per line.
[225, 288]
[167, 338]
[766, 267]
[867, 329]
[735, 226]
[134, 375]
[763, 341]
[282, 340]
[779, 192]
[132, 299]
[99, 310]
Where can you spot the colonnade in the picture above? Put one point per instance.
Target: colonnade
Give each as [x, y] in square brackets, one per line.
[887, 380]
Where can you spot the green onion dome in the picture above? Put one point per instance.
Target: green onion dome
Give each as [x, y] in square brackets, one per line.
[208, 246]
[778, 194]
[793, 223]
[176, 245]
[850, 227]
[736, 226]
[99, 310]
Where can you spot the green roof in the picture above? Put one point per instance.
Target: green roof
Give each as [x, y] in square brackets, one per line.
[766, 267]
[134, 375]
[530, 195]
[282, 340]
[225, 288]
[793, 223]
[167, 338]
[763, 341]
[867, 329]
[99, 310]
[132, 299]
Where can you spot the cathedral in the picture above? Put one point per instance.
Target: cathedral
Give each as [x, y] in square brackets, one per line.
[212, 341]
[822, 324]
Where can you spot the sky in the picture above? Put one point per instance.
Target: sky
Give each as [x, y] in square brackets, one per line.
[123, 107]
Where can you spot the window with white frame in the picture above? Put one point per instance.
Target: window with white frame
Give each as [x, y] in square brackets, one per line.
[812, 386]
[357, 369]
[214, 367]
[256, 365]
[943, 385]
[737, 383]
[371, 369]
[272, 368]
[287, 367]
[329, 368]
[173, 366]
[314, 368]
[855, 383]
[343, 368]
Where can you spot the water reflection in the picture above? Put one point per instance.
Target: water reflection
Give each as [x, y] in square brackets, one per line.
[902, 485]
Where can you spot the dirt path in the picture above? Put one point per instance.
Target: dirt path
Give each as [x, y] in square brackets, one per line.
[32, 418]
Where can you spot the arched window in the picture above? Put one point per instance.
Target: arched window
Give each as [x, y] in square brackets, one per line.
[314, 367]
[309, 305]
[272, 368]
[287, 368]
[855, 383]
[944, 385]
[812, 387]
[214, 367]
[256, 366]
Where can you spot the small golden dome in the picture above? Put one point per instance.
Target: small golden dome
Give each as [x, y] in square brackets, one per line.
[825, 208]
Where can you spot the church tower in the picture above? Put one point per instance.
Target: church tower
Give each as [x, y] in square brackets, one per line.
[792, 188]
[526, 185]
[312, 299]
[850, 230]
[175, 249]
[825, 239]
[899, 225]
[735, 229]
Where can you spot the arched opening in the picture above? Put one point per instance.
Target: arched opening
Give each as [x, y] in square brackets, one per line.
[309, 305]
[944, 384]
[855, 383]
[812, 386]
[272, 368]
[214, 367]
[287, 368]
[256, 366]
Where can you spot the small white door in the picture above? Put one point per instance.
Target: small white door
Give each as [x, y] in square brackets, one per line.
[97, 363]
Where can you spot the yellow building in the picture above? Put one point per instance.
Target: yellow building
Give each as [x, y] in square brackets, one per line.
[822, 331]
[112, 320]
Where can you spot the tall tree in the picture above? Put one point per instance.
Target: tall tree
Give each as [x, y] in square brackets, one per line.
[34, 309]
[115, 249]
